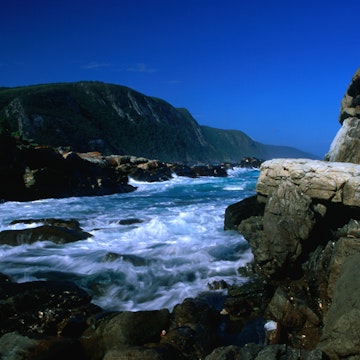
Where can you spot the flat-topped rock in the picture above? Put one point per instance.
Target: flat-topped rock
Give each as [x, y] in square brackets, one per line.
[330, 181]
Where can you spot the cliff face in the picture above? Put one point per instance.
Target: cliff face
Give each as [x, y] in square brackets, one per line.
[112, 119]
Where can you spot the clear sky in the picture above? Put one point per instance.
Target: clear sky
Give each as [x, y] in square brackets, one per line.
[274, 69]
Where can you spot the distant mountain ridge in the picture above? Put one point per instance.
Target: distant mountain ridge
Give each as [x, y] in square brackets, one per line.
[114, 119]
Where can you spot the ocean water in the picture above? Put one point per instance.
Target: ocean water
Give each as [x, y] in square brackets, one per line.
[174, 249]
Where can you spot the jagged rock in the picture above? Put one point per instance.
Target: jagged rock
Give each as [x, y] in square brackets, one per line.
[350, 104]
[308, 229]
[247, 301]
[298, 324]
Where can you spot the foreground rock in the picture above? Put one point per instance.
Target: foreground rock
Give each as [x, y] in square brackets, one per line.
[304, 230]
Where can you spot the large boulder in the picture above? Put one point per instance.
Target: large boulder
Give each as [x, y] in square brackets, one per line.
[302, 199]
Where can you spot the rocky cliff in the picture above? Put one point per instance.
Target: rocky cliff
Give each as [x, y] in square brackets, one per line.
[303, 226]
[112, 119]
[346, 144]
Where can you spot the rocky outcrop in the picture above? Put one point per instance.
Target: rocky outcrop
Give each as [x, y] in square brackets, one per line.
[346, 144]
[30, 172]
[303, 227]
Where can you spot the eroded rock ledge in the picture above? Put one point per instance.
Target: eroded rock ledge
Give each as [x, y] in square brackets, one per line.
[303, 227]
[320, 180]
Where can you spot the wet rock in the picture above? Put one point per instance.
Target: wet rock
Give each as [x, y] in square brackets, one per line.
[183, 170]
[248, 300]
[250, 162]
[44, 308]
[235, 213]
[209, 170]
[130, 221]
[151, 171]
[297, 324]
[30, 172]
[56, 234]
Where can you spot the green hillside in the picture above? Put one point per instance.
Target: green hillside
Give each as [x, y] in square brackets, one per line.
[113, 119]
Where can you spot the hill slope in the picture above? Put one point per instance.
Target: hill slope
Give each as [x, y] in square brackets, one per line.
[113, 119]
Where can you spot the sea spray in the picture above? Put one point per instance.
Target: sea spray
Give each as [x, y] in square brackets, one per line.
[172, 249]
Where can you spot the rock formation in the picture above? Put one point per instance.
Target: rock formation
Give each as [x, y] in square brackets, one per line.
[303, 226]
[346, 145]
[31, 172]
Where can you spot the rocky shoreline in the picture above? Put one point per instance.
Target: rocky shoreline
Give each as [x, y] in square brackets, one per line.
[30, 172]
[302, 300]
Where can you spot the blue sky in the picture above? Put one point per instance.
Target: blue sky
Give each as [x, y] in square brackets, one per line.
[276, 70]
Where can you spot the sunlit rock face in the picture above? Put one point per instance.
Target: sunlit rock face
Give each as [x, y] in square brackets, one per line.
[303, 202]
[346, 144]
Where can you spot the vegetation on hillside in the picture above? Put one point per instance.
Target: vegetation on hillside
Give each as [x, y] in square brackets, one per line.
[113, 119]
